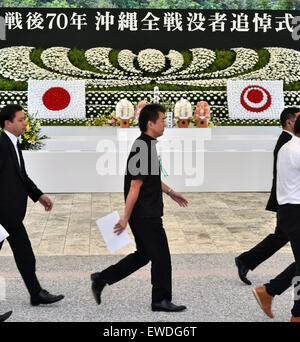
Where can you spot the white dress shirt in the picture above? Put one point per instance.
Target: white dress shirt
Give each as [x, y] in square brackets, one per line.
[14, 140]
[284, 130]
[288, 173]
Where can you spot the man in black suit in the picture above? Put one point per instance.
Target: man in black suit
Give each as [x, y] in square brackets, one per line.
[273, 242]
[144, 210]
[15, 187]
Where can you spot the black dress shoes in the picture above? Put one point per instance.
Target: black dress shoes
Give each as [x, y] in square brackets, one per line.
[5, 316]
[167, 306]
[44, 297]
[98, 284]
[243, 270]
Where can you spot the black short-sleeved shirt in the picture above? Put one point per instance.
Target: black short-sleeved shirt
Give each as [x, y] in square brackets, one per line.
[143, 163]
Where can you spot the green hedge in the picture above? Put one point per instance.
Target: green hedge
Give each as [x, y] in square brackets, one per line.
[77, 58]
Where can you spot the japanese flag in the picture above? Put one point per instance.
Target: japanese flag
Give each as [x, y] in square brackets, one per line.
[56, 99]
[255, 99]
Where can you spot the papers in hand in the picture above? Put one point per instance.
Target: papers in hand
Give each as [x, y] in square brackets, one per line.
[106, 226]
[3, 233]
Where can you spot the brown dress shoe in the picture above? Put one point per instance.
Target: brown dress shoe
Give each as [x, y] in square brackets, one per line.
[264, 299]
[295, 319]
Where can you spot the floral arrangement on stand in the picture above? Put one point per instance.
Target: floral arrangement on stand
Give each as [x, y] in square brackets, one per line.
[104, 120]
[125, 112]
[193, 123]
[32, 138]
[138, 109]
[183, 112]
[125, 109]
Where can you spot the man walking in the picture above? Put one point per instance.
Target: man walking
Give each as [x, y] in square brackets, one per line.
[143, 210]
[15, 187]
[288, 196]
[273, 242]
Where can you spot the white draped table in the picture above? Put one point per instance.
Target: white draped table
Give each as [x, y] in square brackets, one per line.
[84, 159]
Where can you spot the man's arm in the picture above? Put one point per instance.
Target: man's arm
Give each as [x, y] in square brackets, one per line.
[33, 191]
[3, 156]
[166, 189]
[131, 199]
[176, 196]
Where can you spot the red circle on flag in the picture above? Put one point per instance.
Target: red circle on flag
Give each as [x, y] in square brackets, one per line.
[256, 98]
[56, 98]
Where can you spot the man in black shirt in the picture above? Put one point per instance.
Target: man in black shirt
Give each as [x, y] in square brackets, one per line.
[143, 210]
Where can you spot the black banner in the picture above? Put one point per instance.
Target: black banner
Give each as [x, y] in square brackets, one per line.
[140, 29]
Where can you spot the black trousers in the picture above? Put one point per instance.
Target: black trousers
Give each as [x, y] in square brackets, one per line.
[288, 217]
[266, 248]
[151, 245]
[282, 282]
[25, 259]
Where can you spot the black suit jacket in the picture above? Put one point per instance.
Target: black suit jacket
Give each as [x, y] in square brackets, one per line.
[15, 186]
[272, 204]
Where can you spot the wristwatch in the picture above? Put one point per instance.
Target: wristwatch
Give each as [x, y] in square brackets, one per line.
[169, 191]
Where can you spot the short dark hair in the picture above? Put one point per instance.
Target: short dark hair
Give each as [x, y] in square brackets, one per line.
[297, 125]
[8, 113]
[288, 114]
[150, 113]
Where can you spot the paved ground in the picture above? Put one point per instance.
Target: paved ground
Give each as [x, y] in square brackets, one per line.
[206, 283]
[212, 223]
[204, 239]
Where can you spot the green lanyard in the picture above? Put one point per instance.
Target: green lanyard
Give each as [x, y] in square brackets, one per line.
[162, 169]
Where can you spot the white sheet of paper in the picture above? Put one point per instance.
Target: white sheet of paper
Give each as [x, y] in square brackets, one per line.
[106, 226]
[3, 233]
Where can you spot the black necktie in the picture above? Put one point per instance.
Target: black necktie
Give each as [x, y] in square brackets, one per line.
[22, 167]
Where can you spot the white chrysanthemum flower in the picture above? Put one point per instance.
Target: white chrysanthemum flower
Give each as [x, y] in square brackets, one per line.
[151, 60]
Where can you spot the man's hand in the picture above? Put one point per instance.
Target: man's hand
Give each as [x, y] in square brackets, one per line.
[132, 197]
[121, 225]
[177, 197]
[46, 202]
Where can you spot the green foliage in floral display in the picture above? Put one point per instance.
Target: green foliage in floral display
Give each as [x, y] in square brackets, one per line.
[35, 57]
[12, 85]
[264, 58]
[113, 57]
[187, 58]
[161, 87]
[224, 58]
[292, 86]
[78, 59]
